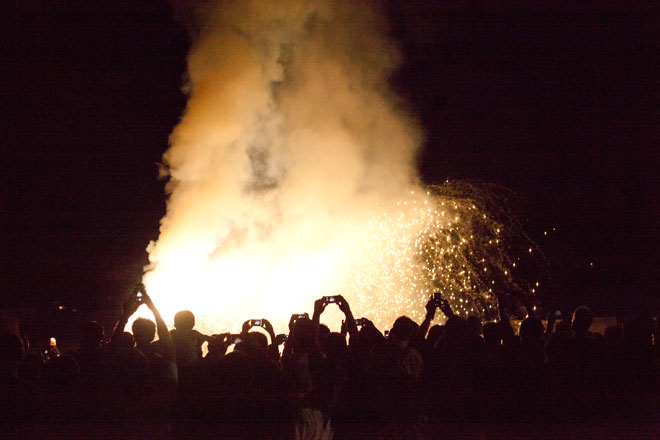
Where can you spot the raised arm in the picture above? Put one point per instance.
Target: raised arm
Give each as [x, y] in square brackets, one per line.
[128, 309]
[350, 320]
[319, 307]
[274, 341]
[163, 333]
[423, 329]
[288, 346]
[446, 308]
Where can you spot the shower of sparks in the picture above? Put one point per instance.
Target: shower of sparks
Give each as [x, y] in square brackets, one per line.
[386, 264]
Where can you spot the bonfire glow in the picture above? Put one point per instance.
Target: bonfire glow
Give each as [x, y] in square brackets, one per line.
[385, 264]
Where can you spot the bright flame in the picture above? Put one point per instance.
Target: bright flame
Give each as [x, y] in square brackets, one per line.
[385, 264]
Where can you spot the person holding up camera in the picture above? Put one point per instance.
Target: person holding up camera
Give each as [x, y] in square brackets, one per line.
[153, 363]
[309, 372]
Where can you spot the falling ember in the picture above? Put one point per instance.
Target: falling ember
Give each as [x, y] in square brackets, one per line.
[292, 176]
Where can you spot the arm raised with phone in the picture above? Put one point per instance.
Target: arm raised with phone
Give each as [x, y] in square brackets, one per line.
[166, 344]
[128, 308]
[273, 347]
[431, 306]
[320, 305]
[131, 305]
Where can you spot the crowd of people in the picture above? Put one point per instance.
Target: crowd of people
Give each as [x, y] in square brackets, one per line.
[461, 379]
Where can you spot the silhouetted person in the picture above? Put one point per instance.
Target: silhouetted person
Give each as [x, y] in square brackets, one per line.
[159, 357]
[187, 341]
[494, 376]
[474, 324]
[453, 366]
[307, 370]
[614, 359]
[19, 399]
[395, 371]
[532, 352]
[93, 359]
[640, 360]
[583, 351]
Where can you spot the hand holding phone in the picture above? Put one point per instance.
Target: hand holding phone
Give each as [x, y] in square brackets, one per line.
[294, 318]
[446, 308]
[247, 325]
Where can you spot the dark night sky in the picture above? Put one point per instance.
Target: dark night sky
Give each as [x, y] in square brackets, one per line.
[559, 104]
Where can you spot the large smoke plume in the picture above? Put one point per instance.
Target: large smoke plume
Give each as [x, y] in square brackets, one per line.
[290, 129]
[292, 175]
[289, 114]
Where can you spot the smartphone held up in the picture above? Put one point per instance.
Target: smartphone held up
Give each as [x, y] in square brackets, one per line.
[139, 293]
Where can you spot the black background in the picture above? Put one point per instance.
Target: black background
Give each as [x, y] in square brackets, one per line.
[557, 102]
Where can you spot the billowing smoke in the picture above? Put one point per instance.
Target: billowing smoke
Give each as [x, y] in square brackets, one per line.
[292, 171]
[289, 122]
